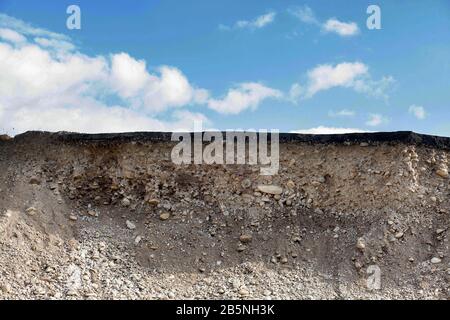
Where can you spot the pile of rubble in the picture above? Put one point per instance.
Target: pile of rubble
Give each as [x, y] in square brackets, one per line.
[89, 218]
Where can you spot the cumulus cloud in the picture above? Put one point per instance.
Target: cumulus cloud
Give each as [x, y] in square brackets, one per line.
[166, 87]
[30, 72]
[11, 35]
[344, 29]
[327, 76]
[417, 111]
[376, 119]
[171, 88]
[246, 95]
[128, 75]
[306, 15]
[354, 75]
[46, 84]
[257, 23]
[328, 130]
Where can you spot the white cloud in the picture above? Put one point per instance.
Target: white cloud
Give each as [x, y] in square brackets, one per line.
[306, 15]
[327, 76]
[46, 84]
[11, 35]
[376, 119]
[328, 130]
[345, 29]
[341, 113]
[31, 73]
[246, 95]
[171, 89]
[417, 111]
[27, 29]
[295, 92]
[93, 117]
[257, 23]
[61, 46]
[375, 88]
[166, 88]
[128, 75]
[354, 75]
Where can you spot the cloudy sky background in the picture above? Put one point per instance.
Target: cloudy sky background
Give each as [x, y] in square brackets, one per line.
[304, 66]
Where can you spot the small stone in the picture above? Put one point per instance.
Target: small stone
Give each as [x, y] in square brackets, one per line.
[267, 293]
[31, 211]
[92, 213]
[8, 214]
[164, 216]
[35, 180]
[245, 238]
[399, 235]
[6, 288]
[90, 294]
[137, 240]
[243, 292]
[241, 248]
[435, 260]
[290, 184]
[73, 217]
[153, 202]
[284, 260]
[442, 172]
[434, 199]
[360, 244]
[364, 144]
[72, 293]
[439, 231]
[126, 202]
[246, 183]
[270, 189]
[130, 225]
[201, 270]
[288, 202]
[40, 291]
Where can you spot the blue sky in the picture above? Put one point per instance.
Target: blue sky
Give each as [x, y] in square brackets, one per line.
[309, 66]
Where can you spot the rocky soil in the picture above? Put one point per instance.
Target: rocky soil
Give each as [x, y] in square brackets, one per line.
[111, 217]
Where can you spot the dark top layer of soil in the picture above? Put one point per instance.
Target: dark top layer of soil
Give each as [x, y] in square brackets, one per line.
[406, 137]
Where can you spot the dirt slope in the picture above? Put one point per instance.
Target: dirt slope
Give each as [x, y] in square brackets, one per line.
[110, 216]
